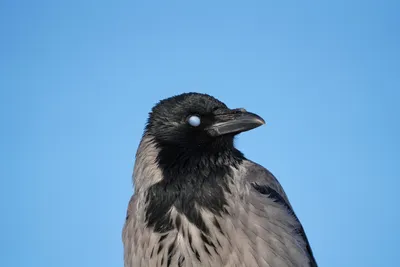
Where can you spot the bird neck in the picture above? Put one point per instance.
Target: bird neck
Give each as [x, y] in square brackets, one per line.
[174, 158]
[192, 179]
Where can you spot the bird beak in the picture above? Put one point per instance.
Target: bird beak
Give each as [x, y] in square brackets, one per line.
[234, 121]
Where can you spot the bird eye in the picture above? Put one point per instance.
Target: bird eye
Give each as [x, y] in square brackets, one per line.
[194, 120]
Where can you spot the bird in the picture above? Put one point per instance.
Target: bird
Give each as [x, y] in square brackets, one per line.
[198, 201]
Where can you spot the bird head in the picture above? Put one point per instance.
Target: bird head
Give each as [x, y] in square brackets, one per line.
[194, 120]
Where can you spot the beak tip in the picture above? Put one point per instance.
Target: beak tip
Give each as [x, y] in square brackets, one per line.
[259, 120]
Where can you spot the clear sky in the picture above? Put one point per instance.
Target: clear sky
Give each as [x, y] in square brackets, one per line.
[77, 79]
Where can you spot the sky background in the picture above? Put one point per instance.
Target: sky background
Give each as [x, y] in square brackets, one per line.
[78, 78]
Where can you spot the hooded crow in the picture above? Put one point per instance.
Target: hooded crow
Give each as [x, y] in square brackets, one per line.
[199, 201]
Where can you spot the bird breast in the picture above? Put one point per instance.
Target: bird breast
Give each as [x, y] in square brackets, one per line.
[231, 241]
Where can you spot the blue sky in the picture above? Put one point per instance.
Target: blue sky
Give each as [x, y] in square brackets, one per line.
[77, 79]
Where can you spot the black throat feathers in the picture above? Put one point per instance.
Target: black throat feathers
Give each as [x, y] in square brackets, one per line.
[192, 178]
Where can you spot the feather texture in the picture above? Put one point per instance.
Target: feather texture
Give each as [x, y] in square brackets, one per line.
[199, 202]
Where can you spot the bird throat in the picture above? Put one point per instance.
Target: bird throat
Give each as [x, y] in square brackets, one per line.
[192, 180]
